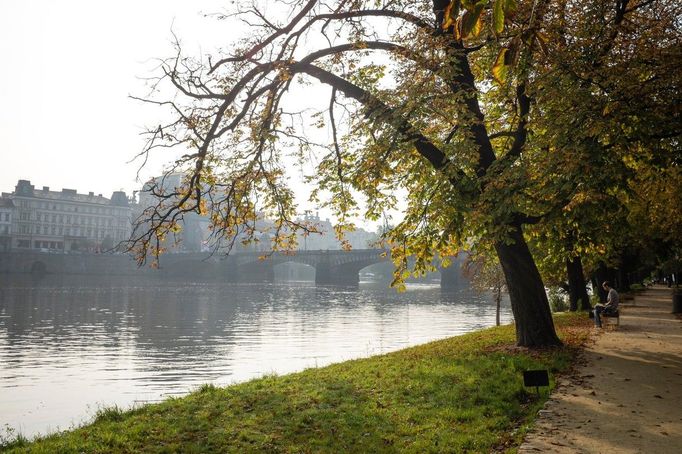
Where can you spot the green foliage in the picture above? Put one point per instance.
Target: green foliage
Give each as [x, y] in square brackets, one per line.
[557, 300]
[113, 413]
[460, 394]
[607, 136]
[10, 439]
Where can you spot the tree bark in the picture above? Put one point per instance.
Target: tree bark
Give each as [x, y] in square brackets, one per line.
[601, 274]
[533, 318]
[577, 288]
[498, 298]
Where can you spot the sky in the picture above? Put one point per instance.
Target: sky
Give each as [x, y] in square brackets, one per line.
[67, 70]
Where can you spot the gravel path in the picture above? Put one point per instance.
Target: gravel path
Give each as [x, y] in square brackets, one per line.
[626, 394]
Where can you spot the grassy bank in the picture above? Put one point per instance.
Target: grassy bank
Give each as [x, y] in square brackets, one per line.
[460, 394]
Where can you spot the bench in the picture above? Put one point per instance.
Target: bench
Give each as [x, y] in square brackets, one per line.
[612, 319]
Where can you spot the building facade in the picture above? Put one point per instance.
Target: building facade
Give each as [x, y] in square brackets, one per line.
[326, 239]
[194, 229]
[66, 221]
[6, 215]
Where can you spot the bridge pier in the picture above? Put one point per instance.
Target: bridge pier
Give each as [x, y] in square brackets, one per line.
[325, 274]
[451, 278]
[261, 271]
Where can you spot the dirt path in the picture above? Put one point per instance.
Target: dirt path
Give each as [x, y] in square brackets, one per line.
[626, 396]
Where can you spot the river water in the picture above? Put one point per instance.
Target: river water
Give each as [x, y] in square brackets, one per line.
[69, 345]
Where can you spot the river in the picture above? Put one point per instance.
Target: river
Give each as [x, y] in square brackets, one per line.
[69, 345]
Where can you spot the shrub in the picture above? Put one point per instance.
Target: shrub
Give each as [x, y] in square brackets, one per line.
[557, 300]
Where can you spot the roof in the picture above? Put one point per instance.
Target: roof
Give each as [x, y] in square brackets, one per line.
[24, 188]
[6, 203]
[70, 195]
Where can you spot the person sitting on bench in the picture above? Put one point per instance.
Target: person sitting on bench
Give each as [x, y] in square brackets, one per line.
[611, 306]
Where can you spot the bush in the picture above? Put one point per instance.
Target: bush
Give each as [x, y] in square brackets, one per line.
[557, 300]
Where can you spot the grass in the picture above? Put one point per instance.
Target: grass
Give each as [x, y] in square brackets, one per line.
[462, 394]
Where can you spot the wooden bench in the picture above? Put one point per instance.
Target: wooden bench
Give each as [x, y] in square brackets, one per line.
[611, 319]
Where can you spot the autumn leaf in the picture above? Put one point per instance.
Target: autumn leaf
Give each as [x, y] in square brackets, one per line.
[498, 16]
[500, 69]
[472, 21]
[451, 14]
[509, 7]
[542, 41]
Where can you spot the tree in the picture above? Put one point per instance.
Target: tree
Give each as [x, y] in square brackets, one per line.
[607, 98]
[486, 275]
[429, 99]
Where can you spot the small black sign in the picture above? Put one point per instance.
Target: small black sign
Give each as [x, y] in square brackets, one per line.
[535, 378]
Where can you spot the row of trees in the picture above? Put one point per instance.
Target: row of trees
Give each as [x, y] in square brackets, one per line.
[541, 132]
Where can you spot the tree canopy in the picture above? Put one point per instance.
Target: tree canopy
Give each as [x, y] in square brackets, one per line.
[472, 118]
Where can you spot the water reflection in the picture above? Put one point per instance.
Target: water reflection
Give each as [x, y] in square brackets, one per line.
[68, 344]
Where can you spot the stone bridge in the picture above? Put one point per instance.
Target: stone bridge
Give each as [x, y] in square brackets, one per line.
[332, 267]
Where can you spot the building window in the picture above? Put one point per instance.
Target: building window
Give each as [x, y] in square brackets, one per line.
[23, 243]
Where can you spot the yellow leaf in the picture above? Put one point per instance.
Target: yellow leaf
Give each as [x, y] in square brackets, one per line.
[471, 21]
[500, 70]
[451, 14]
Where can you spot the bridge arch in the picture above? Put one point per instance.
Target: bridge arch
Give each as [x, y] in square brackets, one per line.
[332, 267]
[293, 270]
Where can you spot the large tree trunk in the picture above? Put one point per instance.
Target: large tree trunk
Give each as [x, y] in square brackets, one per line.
[601, 274]
[577, 288]
[534, 325]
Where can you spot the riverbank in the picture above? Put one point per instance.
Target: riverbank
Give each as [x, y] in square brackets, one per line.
[458, 394]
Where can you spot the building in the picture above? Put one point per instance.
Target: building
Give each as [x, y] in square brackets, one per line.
[194, 228]
[6, 215]
[67, 221]
[326, 238]
[195, 232]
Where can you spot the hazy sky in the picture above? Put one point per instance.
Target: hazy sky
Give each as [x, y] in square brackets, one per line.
[68, 67]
